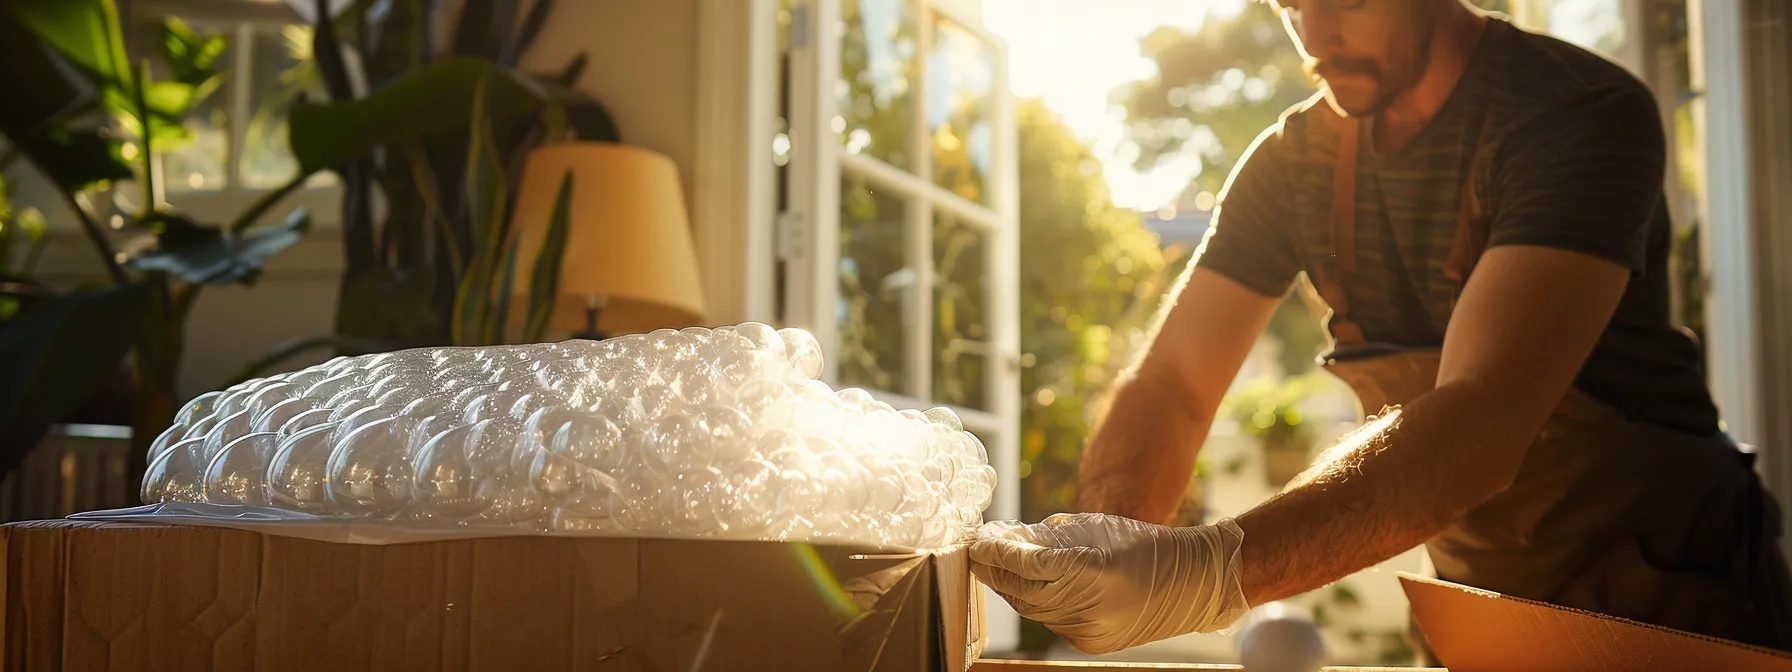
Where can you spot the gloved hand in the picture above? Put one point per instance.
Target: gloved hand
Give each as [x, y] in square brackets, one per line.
[1106, 583]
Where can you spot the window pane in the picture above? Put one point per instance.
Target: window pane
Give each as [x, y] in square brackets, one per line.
[1593, 24]
[961, 74]
[280, 73]
[960, 329]
[877, 66]
[199, 163]
[875, 284]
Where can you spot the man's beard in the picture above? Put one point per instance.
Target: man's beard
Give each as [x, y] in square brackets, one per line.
[1386, 89]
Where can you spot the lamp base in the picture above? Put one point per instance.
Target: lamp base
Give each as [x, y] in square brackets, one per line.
[590, 333]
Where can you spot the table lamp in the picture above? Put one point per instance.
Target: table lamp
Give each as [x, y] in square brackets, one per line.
[629, 264]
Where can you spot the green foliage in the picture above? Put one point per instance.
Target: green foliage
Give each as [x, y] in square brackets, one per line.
[214, 256]
[1091, 276]
[443, 142]
[1270, 409]
[58, 354]
[438, 97]
[55, 123]
[21, 241]
[543, 288]
[1216, 89]
[85, 103]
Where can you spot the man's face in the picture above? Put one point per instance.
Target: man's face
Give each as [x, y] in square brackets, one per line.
[1365, 52]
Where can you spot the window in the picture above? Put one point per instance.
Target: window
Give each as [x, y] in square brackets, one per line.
[238, 148]
[897, 182]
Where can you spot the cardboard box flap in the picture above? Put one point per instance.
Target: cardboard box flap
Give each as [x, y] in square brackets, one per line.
[1474, 630]
[111, 596]
[962, 635]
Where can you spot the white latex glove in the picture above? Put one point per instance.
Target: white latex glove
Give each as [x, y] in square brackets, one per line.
[1106, 583]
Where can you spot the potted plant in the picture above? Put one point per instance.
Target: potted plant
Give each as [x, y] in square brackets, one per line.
[88, 117]
[441, 136]
[1270, 411]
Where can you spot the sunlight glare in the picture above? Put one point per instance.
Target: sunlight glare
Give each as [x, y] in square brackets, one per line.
[1075, 53]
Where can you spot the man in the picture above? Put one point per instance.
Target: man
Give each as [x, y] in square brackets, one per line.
[1482, 210]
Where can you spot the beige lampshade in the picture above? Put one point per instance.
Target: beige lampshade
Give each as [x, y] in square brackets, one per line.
[628, 239]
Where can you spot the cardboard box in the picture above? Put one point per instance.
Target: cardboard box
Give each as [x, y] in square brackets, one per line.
[1078, 666]
[93, 596]
[1474, 630]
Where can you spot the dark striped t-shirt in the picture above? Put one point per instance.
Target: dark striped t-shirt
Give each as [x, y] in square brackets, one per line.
[1572, 156]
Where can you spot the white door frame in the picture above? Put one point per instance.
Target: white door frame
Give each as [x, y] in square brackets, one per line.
[1738, 62]
[811, 237]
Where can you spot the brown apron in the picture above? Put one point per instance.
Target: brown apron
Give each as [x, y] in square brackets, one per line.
[1607, 515]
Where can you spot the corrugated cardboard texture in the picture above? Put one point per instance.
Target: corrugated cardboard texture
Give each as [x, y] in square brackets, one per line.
[1474, 630]
[139, 597]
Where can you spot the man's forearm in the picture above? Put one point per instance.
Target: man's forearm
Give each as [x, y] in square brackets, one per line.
[1390, 486]
[1142, 453]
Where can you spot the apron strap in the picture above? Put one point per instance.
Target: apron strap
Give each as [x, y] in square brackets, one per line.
[1471, 223]
[1469, 242]
[1343, 234]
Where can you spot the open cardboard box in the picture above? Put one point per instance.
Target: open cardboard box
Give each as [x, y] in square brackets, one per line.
[88, 596]
[1474, 630]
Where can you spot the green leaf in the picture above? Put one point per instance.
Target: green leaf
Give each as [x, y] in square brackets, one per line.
[545, 286]
[27, 65]
[215, 256]
[86, 32]
[147, 177]
[76, 160]
[506, 282]
[485, 200]
[58, 354]
[589, 119]
[575, 68]
[437, 97]
[31, 221]
[191, 57]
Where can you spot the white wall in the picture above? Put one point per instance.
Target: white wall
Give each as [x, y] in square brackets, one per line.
[642, 66]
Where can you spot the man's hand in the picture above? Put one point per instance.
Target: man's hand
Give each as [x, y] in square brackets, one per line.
[1106, 583]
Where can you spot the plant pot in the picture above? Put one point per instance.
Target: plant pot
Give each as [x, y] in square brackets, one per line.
[77, 467]
[1284, 457]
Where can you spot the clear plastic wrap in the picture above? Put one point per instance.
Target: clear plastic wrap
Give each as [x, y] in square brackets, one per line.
[698, 433]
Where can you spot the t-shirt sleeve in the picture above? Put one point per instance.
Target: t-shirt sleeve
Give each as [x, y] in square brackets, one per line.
[1585, 177]
[1249, 239]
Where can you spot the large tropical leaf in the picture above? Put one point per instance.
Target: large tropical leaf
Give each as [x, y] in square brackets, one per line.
[72, 157]
[544, 288]
[191, 56]
[486, 200]
[87, 32]
[58, 354]
[437, 97]
[213, 255]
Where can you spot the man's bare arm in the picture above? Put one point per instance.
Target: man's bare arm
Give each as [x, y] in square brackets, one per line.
[1520, 333]
[1142, 452]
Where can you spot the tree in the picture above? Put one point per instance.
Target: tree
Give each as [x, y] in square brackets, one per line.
[1091, 276]
[1216, 89]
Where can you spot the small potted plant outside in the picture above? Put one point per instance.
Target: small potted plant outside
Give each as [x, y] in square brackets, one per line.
[1270, 411]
